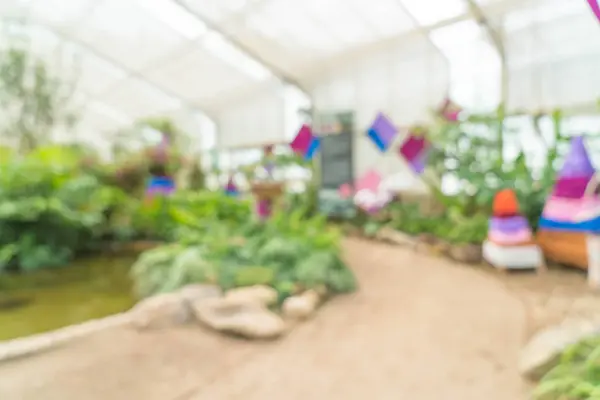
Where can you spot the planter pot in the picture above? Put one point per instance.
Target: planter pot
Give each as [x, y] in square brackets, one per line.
[441, 247]
[466, 253]
[351, 231]
[267, 190]
[427, 238]
[397, 237]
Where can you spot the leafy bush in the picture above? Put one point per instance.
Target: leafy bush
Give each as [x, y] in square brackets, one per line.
[288, 252]
[49, 212]
[577, 377]
[170, 267]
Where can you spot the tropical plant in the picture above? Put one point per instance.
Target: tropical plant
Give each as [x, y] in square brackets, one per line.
[34, 99]
[50, 210]
[288, 252]
[471, 152]
[576, 377]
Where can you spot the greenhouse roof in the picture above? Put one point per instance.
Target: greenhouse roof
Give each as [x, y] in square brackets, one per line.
[235, 60]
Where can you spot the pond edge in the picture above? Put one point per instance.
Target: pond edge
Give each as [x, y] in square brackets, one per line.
[30, 345]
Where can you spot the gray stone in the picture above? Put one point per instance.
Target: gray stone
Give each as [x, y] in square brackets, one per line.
[250, 320]
[544, 350]
[396, 237]
[258, 294]
[302, 306]
[161, 311]
[198, 292]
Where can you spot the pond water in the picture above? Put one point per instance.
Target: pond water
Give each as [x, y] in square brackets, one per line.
[49, 299]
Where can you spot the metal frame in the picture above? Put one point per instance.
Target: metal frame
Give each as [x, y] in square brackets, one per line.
[497, 39]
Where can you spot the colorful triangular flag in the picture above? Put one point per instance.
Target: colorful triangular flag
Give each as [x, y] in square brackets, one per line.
[382, 132]
[595, 8]
[305, 143]
[415, 150]
[369, 181]
[450, 111]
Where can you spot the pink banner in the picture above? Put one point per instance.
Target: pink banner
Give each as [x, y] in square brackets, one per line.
[369, 181]
[345, 191]
[414, 150]
[595, 8]
[302, 141]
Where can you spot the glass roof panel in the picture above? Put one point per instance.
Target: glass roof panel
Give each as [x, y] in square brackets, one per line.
[75, 64]
[430, 12]
[341, 18]
[217, 10]
[546, 33]
[137, 99]
[10, 7]
[297, 27]
[541, 12]
[385, 17]
[60, 14]
[127, 33]
[219, 46]
[473, 84]
[198, 76]
[175, 17]
[324, 28]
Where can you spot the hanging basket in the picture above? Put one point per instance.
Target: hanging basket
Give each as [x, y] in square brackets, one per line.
[267, 190]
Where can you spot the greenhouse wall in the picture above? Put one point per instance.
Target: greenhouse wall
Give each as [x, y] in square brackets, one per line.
[384, 81]
[553, 55]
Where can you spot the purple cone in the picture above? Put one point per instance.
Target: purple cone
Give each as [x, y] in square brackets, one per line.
[577, 163]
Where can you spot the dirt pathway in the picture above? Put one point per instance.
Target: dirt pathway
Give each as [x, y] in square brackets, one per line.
[419, 329]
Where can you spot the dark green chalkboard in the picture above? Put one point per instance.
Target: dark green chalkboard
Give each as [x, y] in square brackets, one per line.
[336, 161]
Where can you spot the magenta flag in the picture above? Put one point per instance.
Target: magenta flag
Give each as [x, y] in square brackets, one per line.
[595, 8]
[302, 141]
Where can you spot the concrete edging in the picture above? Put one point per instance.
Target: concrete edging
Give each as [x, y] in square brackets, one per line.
[29, 345]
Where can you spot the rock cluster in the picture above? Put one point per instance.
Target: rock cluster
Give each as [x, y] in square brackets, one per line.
[544, 350]
[243, 311]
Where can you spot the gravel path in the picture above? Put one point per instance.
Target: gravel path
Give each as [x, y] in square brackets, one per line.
[419, 328]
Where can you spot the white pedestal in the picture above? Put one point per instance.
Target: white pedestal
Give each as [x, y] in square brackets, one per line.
[513, 257]
[593, 249]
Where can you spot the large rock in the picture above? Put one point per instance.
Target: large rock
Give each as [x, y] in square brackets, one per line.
[396, 237]
[250, 319]
[160, 311]
[198, 292]
[258, 294]
[466, 253]
[544, 350]
[301, 306]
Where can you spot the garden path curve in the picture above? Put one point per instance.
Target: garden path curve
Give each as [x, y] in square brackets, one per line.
[419, 328]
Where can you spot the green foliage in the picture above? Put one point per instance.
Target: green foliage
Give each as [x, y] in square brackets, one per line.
[473, 153]
[248, 276]
[287, 252]
[34, 99]
[49, 210]
[577, 377]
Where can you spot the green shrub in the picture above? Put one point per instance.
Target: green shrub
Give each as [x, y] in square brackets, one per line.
[285, 252]
[577, 377]
[50, 210]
